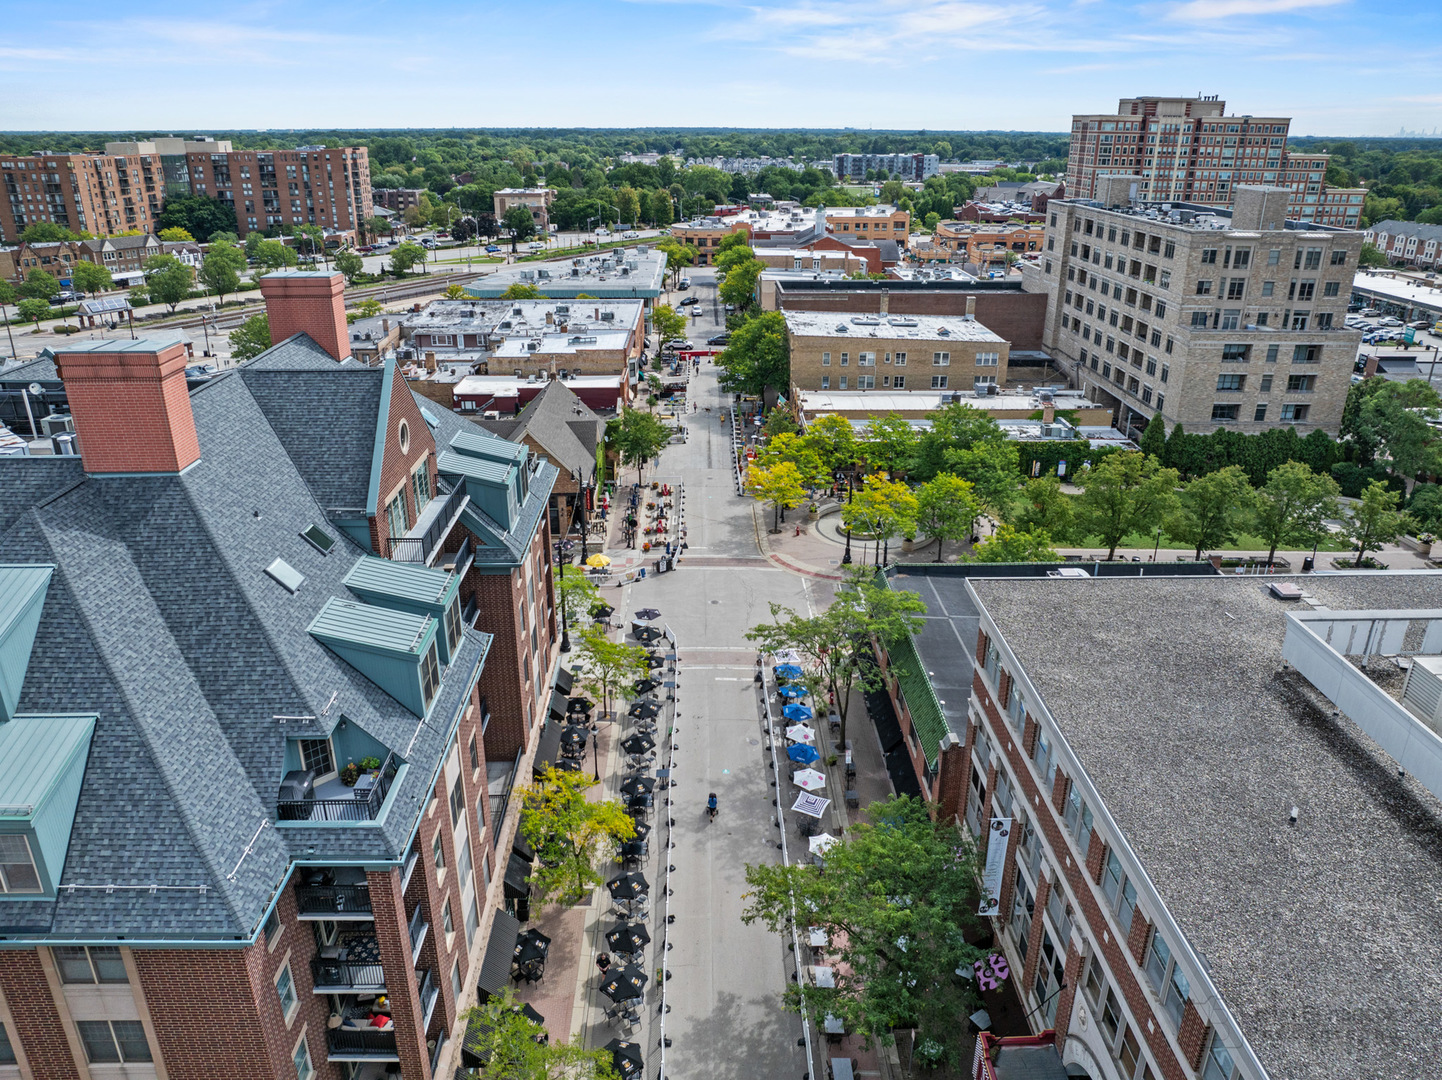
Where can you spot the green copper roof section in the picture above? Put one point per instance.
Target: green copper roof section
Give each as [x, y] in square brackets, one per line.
[917, 692]
[377, 580]
[39, 752]
[378, 450]
[22, 599]
[487, 470]
[375, 629]
[493, 448]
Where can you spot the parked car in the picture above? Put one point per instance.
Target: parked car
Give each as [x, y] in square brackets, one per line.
[676, 345]
[688, 301]
[630, 234]
[685, 283]
[1390, 321]
[1421, 324]
[603, 231]
[428, 244]
[365, 249]
[719, 339]
[493, 248]
[66, 296]
[1370, 313]
[730, 308]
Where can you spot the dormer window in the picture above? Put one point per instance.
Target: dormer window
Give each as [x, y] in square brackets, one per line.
[17, 865]
[430, 676]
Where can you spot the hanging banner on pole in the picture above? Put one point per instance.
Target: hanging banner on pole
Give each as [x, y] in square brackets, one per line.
[996, 845]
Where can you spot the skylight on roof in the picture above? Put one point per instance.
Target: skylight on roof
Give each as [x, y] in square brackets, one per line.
[285, 575]
[319, 539]
[432, 421]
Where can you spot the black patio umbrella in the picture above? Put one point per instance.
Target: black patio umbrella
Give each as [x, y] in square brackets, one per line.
[645, 634]
[633, 849]
[628, 938]
[648, 613]
[638, 744]
[626, 1058]
[654, 661]
[574, 738]
[642, 831]
[567, 765]
[541, 940]
[638, 804]
[579, 704]
[628, 983]
[638, 785]
[628, 887]
[528, 950]
[602, 611]
[644, 686]
[644, 710]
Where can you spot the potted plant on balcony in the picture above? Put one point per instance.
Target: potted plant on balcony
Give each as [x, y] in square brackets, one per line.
[349, 774]
[371, 765]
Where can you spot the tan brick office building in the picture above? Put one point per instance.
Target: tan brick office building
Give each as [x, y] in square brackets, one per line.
[1212, 319]
[863, 351]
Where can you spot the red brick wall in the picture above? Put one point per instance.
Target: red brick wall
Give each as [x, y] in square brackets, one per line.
[389, 909]
[37, 1023]
[1089, 911]
[951, 780]
[1015, 316]
[132, 410]
[396, 465]
[308, 305]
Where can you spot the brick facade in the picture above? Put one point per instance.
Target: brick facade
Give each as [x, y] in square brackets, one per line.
[389, 908]
[1016, 316]
[310, 303]
[38, 1027]
[398, 464]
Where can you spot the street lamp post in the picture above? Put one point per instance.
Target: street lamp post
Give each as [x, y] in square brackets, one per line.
[596, 750]
[562, 547]
[1158, 546]
[846, 558]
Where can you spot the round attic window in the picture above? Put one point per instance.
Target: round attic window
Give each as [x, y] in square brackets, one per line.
[403, 433]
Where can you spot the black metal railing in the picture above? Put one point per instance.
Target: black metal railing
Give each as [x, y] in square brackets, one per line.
[430, 991]
[500, 805]
[348, 974]
[418, 549]
[417, 930]
[459, 561]
[332, 900]
[355, 1044]
[365, 803]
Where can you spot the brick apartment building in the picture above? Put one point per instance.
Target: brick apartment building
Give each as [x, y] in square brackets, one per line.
[1210, 317]
[536, 200]
[1189, 150]
[397, 199]
[861, 351]
[125, 187]
[191, 889]
[1185, 843]
[913, 167]
[869, 222]
[988, 244]
[706, 234]
[1409, 243]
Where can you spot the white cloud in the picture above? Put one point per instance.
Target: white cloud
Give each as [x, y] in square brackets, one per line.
[1208, 10]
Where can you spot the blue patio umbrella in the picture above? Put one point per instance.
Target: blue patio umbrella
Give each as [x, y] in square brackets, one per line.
[796, 712]
[802, 754]
[792, 691]
[788, 671]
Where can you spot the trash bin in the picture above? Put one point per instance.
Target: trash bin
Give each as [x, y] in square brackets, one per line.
[1307, 564]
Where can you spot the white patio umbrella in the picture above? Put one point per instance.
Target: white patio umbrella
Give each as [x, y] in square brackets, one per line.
[809, 779]
[821, 842]
[800, 733]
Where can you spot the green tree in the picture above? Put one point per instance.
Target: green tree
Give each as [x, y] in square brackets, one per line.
[576, 596]
[168, 280]
[1125, 493]
[1400, 416]
[406, 255]
[678, 257]
[1006, 545]
[834, 440]
[522, 291]
[253, 240]
[881, 509]
[739, 288]
[757, 356]
[1375, 520]
[946, 509]
[91, 277]
[628, 204]
[866, 611]
[1044, 507]
[609, 665]
[349, 263]
[668, 323]
[175, 233]
[888, 444]
[1371, 255]
[733, 251]
[368, 309]
[199, 215]
[39, 285]
[519, 223]
[277, 255]
[658, 205]
[788, 445]
[1425, 506]
[1292, 506]
[512, 1046]
[638, 437]
[46, 232]
[33, 309]
[569, 834]
[898, 899]
[1154, 438]
[992, 469]
[954, 427]
[250, 338]
[778, 484]
[1213, 509]
[221, 268]
[222, 236]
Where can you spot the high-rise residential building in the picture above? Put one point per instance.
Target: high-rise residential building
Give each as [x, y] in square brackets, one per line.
[1190, 150]
[914, 167]
[1210, 317]
[125, 188]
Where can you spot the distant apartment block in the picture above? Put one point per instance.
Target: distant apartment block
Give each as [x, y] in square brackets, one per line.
[536, 200]
[125, 188]
[1408, 242]
[871, 222]
[746, 164]
[1190, 150]
[1212, 318]
[398, 200]
[909, 166]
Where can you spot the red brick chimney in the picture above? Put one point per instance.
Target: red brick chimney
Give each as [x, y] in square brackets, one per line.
[310, 302]
[131, 406]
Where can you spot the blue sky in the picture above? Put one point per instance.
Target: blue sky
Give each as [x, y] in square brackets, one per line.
[1340, 67]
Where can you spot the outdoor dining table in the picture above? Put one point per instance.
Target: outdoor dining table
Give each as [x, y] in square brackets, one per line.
[822, 976]
[817, 938]
[841, 1069]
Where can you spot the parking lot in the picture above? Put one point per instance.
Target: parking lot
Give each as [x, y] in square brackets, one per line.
[1383, 337]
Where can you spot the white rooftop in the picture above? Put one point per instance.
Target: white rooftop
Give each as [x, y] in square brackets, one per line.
[832, 324]
[621, 273]
[814, 402]
[474, 385]
[574, 341]
[1403, 290]
[506, 317]
[882, 210]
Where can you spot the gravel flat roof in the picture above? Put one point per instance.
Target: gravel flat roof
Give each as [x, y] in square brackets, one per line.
[1325, 939]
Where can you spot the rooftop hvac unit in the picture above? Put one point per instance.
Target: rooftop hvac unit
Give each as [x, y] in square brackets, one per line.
[65, 444]
[1422, 689]
[608, 316]
[56, 423]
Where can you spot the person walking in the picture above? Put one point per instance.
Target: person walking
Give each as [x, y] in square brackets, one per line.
[603, 962]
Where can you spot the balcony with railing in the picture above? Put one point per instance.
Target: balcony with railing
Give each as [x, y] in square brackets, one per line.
[333, 801]
[355, 968]
[424, 539]
[361, 1044]
[333, 894]
[417, 930]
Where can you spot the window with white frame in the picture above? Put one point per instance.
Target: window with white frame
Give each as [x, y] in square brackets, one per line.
[899, 359]
[1167, 978]
[826, 382]
[866, 382]
[826, 359]
[842, 384]
[304, 1070]
[1218, 1064]
[938, 382]
[866, 359]
[898, 382]
[1050, 974]
[940, 359]
[1021, 911]
[285, 990]
[988, 359]
[1042, 757]
[1078, 817]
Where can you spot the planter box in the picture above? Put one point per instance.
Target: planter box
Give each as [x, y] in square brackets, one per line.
[1367, 564]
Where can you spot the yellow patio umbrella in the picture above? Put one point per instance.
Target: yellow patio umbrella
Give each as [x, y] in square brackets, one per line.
[598, 560]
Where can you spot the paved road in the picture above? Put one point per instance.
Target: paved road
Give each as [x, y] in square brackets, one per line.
[726, 1020]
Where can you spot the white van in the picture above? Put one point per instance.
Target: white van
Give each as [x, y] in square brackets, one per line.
[603, 231]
